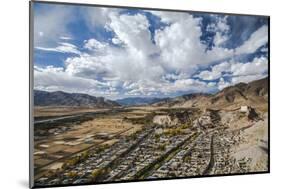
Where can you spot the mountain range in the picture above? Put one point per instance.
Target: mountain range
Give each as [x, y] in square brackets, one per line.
[59, 98]
[139, 100]
[255, 92]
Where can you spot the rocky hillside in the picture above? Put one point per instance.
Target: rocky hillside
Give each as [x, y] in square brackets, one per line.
[189, 100]
[59, 98]
[253, 93]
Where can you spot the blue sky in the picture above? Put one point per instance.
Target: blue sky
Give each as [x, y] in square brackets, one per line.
[119, 53]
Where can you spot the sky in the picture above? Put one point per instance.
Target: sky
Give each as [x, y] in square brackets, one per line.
[118, 53]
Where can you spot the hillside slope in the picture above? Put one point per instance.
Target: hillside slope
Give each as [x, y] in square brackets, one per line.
[59, 98]
[254, 93]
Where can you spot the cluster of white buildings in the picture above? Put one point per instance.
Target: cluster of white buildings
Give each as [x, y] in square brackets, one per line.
[224, 163]
[192, 159]
[148, 153]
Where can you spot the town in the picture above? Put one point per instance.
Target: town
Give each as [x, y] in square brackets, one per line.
[181, 143]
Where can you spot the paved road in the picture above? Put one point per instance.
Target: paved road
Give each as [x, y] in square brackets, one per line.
[212, 159]
[57, 119]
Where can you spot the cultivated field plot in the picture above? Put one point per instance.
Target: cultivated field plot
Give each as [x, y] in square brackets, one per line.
[100, 131]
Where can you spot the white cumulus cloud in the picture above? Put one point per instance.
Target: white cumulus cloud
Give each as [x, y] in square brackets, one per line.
[62, 48]
[142, 64]
[256, 40]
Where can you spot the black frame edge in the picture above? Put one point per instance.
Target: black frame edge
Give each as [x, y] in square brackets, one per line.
[269, 128]
[31, 130]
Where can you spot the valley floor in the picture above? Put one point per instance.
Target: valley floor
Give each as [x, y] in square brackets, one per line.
[127, 144]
